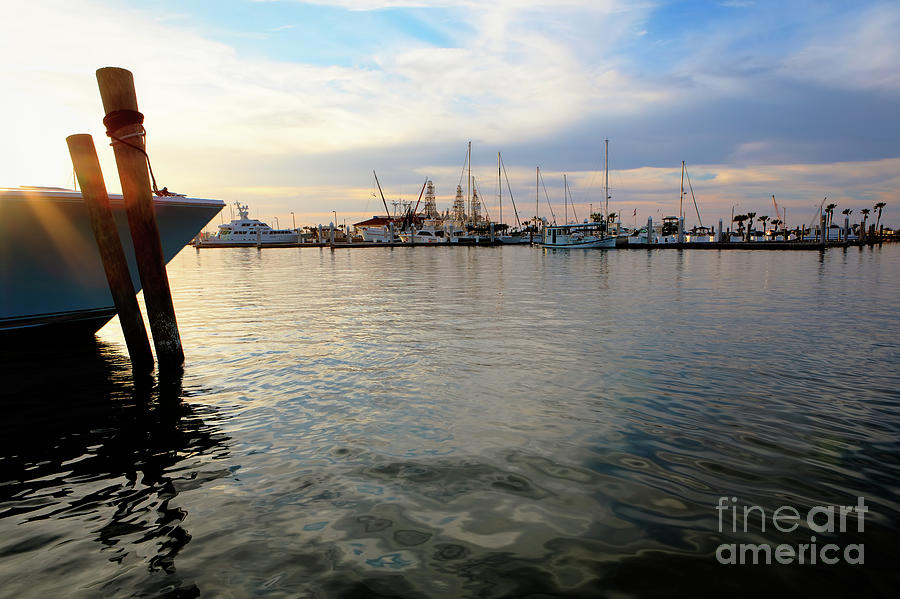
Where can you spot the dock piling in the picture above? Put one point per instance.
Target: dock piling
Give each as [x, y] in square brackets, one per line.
[93, 190]
[124, 125]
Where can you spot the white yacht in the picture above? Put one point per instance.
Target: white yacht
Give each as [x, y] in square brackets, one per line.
[638, 237]
[378, 229]
[244, 231]
[434, 231]
[52, 279]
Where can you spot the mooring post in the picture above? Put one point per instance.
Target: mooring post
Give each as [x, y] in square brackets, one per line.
[93, 190]
[649, 229]
[331, 236]
[124, 124]
[492, 233]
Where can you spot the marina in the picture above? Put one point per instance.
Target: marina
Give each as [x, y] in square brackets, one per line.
[665, 371]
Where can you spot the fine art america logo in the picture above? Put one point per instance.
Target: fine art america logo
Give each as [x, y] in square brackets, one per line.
[821, 519]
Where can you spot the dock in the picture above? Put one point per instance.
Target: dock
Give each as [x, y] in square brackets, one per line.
[704, 245]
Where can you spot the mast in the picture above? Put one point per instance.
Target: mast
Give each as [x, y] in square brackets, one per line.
[565, 201]
[459, 209]
[691, 188]
[606, 186]
[469, 178]
[430, 205]
[388, 212]
[681, 197]
[500, 187]
[537, 193]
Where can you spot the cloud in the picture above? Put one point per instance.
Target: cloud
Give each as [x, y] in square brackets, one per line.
[543, 81]
[509, 80]
[859, 51]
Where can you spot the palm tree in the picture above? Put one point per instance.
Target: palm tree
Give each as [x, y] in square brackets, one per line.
[865, 213]
[750, 217]
[829, 212]
[775, 223]
[879, 207]
[739, 219]
[763, 220]
[846, 212]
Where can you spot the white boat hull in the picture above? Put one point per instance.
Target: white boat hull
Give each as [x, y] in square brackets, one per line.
[276, 239]
[512, 239]
[51, 276]
[607, 243]
[377, 235]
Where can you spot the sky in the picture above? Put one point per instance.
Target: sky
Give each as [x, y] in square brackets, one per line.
[289, 106]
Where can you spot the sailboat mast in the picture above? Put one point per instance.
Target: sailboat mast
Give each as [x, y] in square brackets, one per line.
[606, 179]
[565, 201]
[500, 188]
[681, 197]
[469, 180]
[388, 212]
[537, 194]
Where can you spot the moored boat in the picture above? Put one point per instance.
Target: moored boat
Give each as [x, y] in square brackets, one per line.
[434, 231]
[584, 235]
[245, 231]
[52, 278]
[378, 229]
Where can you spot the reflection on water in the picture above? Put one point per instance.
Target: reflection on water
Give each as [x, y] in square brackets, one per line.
[465, 422]
[92, 468]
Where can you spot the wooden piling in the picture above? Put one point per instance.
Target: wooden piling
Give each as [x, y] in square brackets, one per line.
[93, 190]
[124, 122]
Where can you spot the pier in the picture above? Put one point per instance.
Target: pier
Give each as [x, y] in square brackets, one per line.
[687, 245]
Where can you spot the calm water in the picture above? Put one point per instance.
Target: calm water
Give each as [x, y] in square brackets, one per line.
[461, 422]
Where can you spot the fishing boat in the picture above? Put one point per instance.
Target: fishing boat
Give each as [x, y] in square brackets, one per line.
[585, 235]
[52, 279]
[593, 234]
[244, 231]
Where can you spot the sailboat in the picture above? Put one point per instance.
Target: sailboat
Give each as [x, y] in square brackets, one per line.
[510, 237]
[700, 233]
[586, 235]
[380, 229]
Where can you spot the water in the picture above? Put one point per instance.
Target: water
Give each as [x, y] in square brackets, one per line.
[462, 422]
